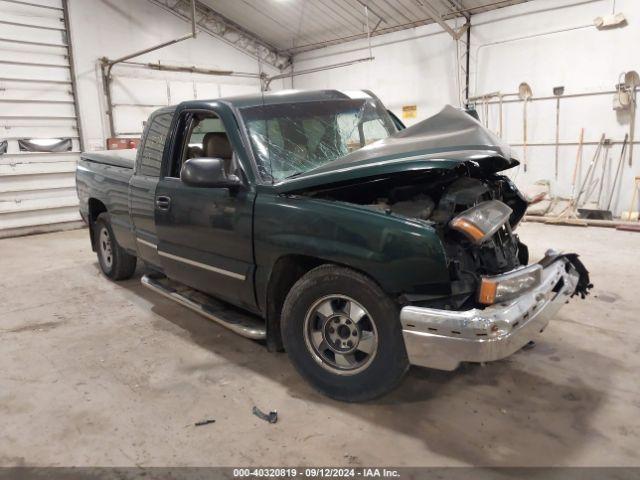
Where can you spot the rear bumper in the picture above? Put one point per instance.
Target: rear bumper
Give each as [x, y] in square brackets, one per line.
[442, 339]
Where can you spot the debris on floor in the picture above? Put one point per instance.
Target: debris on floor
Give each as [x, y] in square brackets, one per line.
[539, 197]
[272, 417]
[204, 422]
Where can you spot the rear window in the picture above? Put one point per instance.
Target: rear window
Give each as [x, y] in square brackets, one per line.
[153, 147]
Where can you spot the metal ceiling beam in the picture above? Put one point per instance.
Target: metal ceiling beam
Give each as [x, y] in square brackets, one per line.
[268, 80]
[435, 15]
[488, 6]
[379, 30]
[365, 4]
[376, 31]
[219, 26]
[457, 6]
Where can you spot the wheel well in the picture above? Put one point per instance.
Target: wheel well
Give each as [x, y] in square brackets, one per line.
[286, 271]
[96, 207]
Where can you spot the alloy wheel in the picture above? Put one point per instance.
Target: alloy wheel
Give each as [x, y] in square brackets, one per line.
[341, 335]
[104, 245]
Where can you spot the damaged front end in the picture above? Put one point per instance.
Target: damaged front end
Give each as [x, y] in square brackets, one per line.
[496, 301]
[442, 339]
[448, 201]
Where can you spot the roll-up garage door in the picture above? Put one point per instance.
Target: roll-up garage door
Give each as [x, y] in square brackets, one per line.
[39, 129]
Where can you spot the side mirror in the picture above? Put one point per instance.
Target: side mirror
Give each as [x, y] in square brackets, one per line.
[207, 172]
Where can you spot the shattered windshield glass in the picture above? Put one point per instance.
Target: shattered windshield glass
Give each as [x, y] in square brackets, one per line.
[293, 138]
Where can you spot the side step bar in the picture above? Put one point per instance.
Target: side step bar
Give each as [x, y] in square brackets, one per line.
[245, 324]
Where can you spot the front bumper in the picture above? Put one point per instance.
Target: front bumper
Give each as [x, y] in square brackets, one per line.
[442, 339]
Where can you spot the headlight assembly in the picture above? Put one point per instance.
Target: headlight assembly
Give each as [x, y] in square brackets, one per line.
[479, 223]
[509, 285]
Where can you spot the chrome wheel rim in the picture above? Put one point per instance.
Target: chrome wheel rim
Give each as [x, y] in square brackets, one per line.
[340, 335]
[104, 244]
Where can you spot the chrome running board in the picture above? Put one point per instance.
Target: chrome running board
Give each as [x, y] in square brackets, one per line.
[234, 319]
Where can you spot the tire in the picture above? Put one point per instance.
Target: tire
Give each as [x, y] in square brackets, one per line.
[326, 309]
[114, 261]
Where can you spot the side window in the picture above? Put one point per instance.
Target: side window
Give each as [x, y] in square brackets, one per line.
[153, 148]
[206, 138]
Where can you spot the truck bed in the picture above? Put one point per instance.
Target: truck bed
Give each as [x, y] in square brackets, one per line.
[102, 183]
[116, 158]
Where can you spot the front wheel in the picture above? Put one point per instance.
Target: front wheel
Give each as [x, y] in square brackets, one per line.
[343, 334]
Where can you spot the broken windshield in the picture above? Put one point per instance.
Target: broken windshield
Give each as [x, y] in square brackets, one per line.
[293, 138]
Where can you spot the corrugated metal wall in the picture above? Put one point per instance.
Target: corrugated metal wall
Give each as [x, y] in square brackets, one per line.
[37, 189]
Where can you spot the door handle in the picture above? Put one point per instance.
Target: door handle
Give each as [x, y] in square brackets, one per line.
[163, 202]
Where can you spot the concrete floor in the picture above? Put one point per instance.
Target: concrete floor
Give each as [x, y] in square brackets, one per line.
[101, 373]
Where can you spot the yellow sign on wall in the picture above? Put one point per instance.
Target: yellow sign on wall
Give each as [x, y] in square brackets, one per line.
[409, 111]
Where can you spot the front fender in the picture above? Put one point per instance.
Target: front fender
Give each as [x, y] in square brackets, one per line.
[400, 254]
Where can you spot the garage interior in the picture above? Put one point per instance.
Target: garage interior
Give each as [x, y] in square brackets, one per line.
[103, 373]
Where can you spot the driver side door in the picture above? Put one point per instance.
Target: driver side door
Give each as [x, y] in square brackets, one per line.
[205, 233]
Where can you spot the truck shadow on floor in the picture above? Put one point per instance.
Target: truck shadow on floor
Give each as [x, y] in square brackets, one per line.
[534, 408]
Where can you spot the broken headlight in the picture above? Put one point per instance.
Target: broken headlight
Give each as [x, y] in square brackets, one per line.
[479, 223]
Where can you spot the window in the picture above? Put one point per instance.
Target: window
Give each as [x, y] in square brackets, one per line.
[368, 132]
[44, 144]
[206, 137]
[153, 147]
[202, 127]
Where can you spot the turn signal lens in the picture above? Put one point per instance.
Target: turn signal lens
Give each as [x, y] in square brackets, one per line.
[487, 295]
[467, 228]
[479, 223]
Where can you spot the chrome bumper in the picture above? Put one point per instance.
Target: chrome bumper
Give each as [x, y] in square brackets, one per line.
[442, 339]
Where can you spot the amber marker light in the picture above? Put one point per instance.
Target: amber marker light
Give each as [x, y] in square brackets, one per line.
[487, 294]
[468, 228]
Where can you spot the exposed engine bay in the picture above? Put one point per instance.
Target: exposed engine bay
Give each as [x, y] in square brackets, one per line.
[436, 197]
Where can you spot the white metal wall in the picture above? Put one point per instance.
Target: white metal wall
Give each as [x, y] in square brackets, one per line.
[37, 190]
[136, 92]
[116, 28]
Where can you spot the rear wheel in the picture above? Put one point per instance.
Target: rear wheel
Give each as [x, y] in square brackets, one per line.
[343, 334]
[114, 261]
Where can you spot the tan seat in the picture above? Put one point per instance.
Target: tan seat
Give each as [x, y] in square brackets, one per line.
[216, 145]
[194, 152]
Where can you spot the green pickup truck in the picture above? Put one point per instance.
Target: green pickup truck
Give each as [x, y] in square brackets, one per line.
[314, 221]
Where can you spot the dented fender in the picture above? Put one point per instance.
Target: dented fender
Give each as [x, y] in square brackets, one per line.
[400, 254]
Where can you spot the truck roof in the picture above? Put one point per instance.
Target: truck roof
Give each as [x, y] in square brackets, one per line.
[292, 96]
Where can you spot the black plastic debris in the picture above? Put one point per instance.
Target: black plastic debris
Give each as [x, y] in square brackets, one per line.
[272, 417]
[204, 422]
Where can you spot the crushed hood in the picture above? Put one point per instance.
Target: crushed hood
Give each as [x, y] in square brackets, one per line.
[443, 141]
